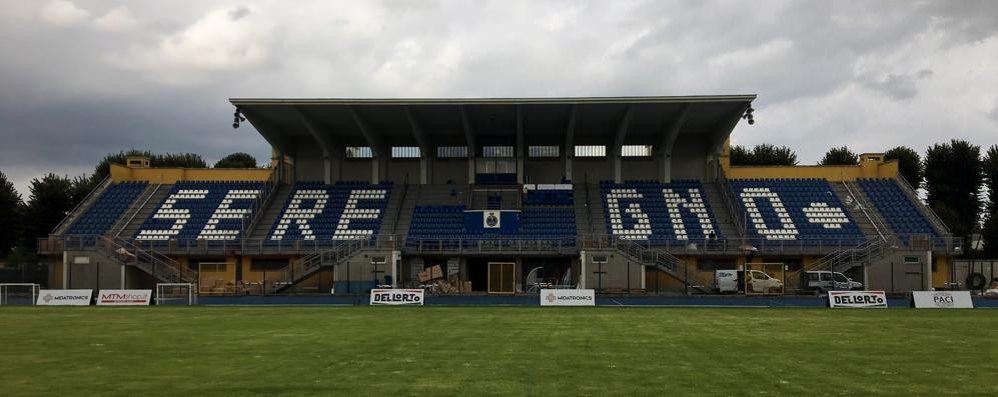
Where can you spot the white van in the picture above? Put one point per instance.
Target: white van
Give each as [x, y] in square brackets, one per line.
[821, 281]
[758, 282]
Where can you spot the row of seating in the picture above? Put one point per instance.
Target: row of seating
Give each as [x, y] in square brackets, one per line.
[202, 210]
[658, 213]
[803, 210]
[896, 208]
[342, 211]
[112, 203]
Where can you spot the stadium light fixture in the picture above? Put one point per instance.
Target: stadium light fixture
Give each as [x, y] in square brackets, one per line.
[237, 118]
[748, 115]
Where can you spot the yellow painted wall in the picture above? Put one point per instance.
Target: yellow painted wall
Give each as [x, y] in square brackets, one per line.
[871, 165]
[120, 173]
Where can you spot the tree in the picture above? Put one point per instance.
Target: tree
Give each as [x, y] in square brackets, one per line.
[182, 160]
[909, 164]
[237, 160]
[740, 155]
[953, 176]
[840, 156]
[80, 187]
[989, 232]
[763, 154]
[10, 203]
[50, 201]
[766, 154]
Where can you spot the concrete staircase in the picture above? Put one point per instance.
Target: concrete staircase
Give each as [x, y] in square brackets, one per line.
[394, 207]
[582, 222]
[141, 210]
[725, 220]
[597, 222]
[271, 213]
[403, 217]
[869, 221]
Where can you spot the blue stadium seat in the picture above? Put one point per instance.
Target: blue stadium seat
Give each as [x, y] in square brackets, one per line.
[202, 210]
[805, 211]
[107, 209]
[896, 208]
[345, 210]
[658, 213]
[550, 220]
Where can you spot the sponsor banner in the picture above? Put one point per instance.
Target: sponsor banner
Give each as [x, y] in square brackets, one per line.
[568, 297]
[396, 297]
[942, 300]
[64, 297]
[124, 297]
[857, 299]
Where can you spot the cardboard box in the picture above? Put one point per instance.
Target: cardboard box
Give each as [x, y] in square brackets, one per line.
[436, 272]
[466, 287]
[424, 276]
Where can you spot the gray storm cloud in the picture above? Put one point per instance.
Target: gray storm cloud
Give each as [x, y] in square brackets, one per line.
[84, 78]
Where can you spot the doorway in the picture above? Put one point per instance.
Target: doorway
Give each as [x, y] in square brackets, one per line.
[502, 277]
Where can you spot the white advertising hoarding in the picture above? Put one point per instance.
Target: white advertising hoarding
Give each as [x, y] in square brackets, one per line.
[861, 299]
[124, 297]
[568, 297]
[64, 297]
[942, 300]
[396, 297]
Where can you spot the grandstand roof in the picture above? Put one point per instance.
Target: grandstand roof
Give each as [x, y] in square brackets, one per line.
[429, 121]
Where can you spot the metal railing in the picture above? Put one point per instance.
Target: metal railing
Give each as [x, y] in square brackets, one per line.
[927, 211]
[309, 264]
[477, 245]
[727, 195]
[75, 213]
[156, 264]
[124, 221]
[860, 255]
[878, 223]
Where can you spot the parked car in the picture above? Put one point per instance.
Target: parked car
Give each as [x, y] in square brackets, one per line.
[821, 281]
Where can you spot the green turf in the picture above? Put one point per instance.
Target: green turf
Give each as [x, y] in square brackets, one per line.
[495, 351]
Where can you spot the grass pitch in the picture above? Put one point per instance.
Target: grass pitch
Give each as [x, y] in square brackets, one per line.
[472, 351]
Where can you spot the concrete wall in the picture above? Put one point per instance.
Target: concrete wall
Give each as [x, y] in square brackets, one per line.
[121, 173]
[618, 274]
[455, 170]
[543, 171]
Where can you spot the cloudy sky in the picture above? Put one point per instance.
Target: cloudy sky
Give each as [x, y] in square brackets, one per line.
[79, 79]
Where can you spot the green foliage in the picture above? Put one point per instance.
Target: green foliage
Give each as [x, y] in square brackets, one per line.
[989, 232]
[763, 154]
[10, 222]
[237, 160]
[953, 176]
[909, 164]
[51, 199]
[840, 156]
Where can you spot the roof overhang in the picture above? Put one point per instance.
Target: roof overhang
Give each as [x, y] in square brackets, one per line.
[352, 122]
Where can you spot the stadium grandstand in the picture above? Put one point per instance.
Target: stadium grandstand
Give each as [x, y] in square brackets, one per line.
[618, 194]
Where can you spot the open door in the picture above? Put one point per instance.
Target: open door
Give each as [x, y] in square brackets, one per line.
[501, 278]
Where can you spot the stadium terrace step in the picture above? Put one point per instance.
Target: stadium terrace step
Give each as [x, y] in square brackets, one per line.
[99, 218]
[320, 212]
[805, 211]
[270, 214]
[658, 213]
[202, 210]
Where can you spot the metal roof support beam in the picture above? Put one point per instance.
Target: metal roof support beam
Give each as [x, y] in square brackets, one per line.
[425, 148]
[618, 143]
[568, 154]
[519, 145]
[717, 141]
[379, 162]
[331, 160]
[469, 137]
[664, 149]
[277, 144]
